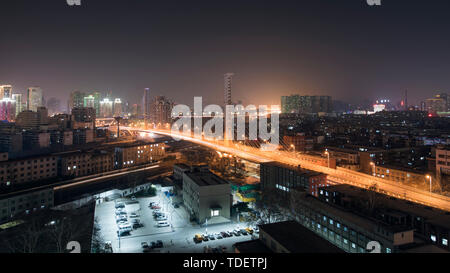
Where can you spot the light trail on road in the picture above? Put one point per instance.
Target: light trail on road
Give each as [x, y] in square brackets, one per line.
[339, 175]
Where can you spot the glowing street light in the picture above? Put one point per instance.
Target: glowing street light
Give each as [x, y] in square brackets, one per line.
[373, 168]
[328, 156]
[429, 178]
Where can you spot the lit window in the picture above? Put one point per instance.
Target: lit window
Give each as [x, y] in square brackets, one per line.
[353, 245]
[345, 241]
[331, 221]
[433, 238]
[388, 250]
[444, 242]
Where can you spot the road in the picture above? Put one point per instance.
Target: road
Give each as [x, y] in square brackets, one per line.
[339, 175]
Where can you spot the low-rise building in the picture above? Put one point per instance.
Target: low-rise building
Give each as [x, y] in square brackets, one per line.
[179, 169]
[77, 164]
[206, 196]
[282, 178]
[287, 237]
[27, 170]
[25, 202]
[138, 153]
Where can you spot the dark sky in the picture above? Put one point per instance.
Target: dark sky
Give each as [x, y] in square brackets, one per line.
[342, 48]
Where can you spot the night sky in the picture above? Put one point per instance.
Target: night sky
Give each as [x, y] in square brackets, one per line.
[342, 48]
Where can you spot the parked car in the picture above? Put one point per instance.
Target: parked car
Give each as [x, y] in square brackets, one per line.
[153, 245]
[230, 233]
[198, 238]
[120, 205]
[176, 205]
[134, 215]
[123, 232]
[144, 245]
[249, 230]
[256, 229]
[243, 231]
[155, 212]
[211, 237]
[236, 232]
[224, 234]
[120, 212]
[205, 237]
[163, 224]
[161, 218]
[155, 207]
[152, 204]
[121, 221]
[218, 236]
[159, 244]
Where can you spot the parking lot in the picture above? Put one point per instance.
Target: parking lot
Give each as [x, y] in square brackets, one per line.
[178, 237]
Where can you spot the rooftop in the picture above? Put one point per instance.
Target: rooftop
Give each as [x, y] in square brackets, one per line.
[298, 239]
[299, 170]
[205, 178]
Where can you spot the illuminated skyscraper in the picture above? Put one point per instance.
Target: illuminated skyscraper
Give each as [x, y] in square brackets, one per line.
[89, 101]
[34, 98]
[228, 77]
[7, 109]
[5, 92]
[76, 100]
[19, 103]
[118, 108]
[106, 108]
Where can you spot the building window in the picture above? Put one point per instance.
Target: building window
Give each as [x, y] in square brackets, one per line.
[444, 242]
[214, 213]
[388, 250]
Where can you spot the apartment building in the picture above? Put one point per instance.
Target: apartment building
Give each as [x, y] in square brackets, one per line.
[135, 154]
[28, 170]
[25, 202]
[283, 178]
[75, 164]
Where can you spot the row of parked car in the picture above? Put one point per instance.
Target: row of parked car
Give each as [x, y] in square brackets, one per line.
[124, 227]
[160, 217]
[198, 238]
[148, 247]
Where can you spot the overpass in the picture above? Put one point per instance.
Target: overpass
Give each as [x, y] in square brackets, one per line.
[338, 175]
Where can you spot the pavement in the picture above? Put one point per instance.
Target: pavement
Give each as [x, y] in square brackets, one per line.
[178, 238]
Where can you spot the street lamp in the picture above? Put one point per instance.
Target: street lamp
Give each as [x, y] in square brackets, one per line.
[293, 147]
[373, 168]
[429, 178]
[328, 156]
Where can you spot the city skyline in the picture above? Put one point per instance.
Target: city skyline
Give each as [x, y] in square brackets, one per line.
[181, 52]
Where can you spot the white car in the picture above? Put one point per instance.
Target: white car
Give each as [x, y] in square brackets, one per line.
[161, 218]
[163, 224]
[134, 215]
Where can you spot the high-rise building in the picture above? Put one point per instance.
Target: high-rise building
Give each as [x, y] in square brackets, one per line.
[436, 104]
[28, 120]
[89, 101]
[76, 100]
[54, 106]
[118, 107]
[34, 98]
[161, 111]
[106, 108]
[83, 118]
[136, 110]
[146, 105]
[228, 78]
[5, 92]
[97, 98]
[19, 103]
[7, 109]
